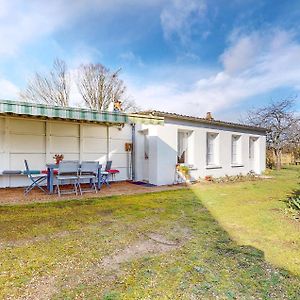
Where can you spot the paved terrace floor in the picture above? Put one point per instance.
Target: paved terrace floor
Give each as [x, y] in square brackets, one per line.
[16, 195]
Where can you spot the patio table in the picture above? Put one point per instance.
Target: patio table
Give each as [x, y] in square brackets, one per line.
[50, 177]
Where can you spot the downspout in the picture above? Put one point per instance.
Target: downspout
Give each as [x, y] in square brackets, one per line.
[107, 143]
[133, 151]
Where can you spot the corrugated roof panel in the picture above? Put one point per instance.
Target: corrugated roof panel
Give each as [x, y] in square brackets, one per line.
[74, 113]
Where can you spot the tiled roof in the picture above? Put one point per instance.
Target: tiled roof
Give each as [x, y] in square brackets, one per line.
[8, 107]
[201, 120]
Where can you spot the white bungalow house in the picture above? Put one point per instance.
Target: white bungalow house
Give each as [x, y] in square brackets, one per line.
[160, 140]
[206, 146]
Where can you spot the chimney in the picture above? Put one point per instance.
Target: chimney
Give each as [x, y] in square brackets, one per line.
[209, 116]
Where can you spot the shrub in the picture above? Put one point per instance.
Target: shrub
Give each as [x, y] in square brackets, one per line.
[267, 172]
[251, 175]
[270, 163]
[293, 202]
[235, 178]
[208, 178]
[293, 205]
[184, 170]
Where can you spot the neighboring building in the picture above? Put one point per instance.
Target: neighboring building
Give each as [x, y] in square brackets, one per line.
[160, 141]
[207, 146]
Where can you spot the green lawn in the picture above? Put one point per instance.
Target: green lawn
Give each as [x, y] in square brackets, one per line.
[253, 214]
[217, 241]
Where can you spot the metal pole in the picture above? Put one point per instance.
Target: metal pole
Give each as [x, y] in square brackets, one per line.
[133, 151]
[107, 143]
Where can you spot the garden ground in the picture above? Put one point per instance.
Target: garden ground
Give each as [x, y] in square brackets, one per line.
[212, 241]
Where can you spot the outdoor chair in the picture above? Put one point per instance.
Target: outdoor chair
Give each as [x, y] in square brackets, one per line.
[36, 179]
[105, 173]
[67, 172]
[108, 165]
[111, 172]
[88, 172]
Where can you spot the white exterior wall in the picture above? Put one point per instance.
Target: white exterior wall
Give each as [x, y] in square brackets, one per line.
[163, 151]
[38, 141]
[161, 154]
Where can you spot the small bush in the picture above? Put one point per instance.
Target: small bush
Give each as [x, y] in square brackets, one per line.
[293, 205]
[208, 178]
[184, 170]
[293, 202]
[267, 172]
[235, 178]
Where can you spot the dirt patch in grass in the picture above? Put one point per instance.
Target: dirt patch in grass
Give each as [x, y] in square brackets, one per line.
[105, 212]
[41, 288]
[36, 239]
[160, 239]
[149, 244]
[138, 250]
[153, 244]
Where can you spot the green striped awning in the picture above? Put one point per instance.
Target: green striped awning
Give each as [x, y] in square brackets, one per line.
[74, 113]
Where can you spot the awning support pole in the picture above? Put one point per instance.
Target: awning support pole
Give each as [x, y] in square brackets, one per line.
[107, 143]
[133, 151]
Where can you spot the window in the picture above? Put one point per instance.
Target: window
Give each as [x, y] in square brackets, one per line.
[235, 150]
[182, 145]
[211, 149]
[251, 148]
[252, 141]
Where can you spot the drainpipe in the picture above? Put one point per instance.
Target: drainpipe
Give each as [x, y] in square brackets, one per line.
[107, 143]
[133, 152]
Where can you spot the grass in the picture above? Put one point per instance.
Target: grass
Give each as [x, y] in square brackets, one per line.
[253, 214]
[232, 241]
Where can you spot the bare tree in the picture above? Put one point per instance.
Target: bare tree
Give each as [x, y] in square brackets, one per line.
[281, 123]
[99, 87]
[52, 88]
[129, 106]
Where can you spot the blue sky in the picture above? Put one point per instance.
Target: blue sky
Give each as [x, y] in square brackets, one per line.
[185, 56]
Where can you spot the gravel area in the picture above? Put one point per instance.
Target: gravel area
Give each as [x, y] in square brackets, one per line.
[12, 196]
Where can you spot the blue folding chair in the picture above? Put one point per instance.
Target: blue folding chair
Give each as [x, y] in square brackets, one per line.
[88, 172]
[67, 172]
[36, 179]
[105, 174]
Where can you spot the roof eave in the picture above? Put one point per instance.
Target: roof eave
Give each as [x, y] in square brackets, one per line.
[204, 121]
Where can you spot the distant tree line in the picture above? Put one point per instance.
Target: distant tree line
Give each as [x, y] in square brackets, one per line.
[98, 86]
[282, 126]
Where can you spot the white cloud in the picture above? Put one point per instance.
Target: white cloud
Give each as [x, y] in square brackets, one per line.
[8, 90]
[273, 61]
[130, 57]
[242, 53]
[83, 54]
[75, 96]
[24, 22]
[179, 17]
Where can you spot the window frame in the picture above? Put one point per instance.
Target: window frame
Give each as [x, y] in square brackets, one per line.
[212, 149]
[236, 151]
[252, 142]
